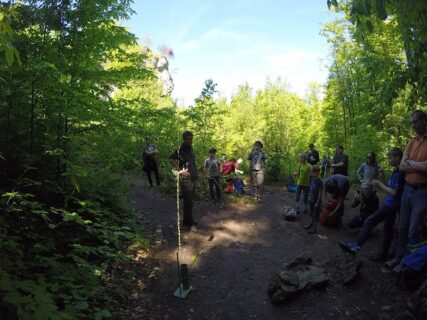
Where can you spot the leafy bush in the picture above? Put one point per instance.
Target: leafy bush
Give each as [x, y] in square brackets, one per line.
[54, 258]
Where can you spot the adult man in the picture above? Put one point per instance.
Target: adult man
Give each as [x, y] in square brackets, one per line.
[413, 209]
[340, 162]
[150, 164]
[184, 160]
[369, 203]
[312, 155]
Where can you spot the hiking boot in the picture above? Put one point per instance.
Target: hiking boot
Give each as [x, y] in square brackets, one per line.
[308, 226]
[351, 247]
[379, 257]
[391, 264]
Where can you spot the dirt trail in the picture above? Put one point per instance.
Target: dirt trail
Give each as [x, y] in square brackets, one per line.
[232, 256]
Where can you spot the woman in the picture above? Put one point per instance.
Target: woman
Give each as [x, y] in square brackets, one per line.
[256, 167]
[368, 170]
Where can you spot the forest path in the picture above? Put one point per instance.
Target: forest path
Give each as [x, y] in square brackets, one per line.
[232, 256]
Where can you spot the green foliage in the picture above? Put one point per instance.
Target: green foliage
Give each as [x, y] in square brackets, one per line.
[7, 49]
[66, 143]
[78, 98]
[369, 16]
[368, 98]
[284, 122]
[53, 258]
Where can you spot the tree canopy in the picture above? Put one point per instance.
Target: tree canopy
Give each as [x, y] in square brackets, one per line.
[79, 95]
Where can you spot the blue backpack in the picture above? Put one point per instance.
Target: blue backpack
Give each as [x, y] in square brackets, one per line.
[238, 186]
[414, 267]
[290, 184]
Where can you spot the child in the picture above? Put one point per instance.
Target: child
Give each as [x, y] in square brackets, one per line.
[386, 213]
[212, 170]
[314, 199]
[303, 182]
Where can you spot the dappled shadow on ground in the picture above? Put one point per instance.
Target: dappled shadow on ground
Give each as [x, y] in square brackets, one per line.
[233, 255]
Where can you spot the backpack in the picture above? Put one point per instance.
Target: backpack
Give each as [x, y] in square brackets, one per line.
[230, 186]
[414, 268]
[238, 186]
[290, 214]
[290, 184]
[325, 217]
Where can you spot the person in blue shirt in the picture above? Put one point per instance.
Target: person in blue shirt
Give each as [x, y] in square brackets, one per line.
[386, 213]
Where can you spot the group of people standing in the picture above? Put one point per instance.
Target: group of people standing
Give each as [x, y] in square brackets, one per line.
[405, 204]
[183, 160]
[404, 208]
[338, 164]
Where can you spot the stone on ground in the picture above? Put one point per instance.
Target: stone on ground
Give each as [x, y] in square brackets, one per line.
[295, 277]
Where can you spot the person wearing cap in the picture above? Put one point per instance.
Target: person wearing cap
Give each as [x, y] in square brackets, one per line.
[256, 167]
[212, 168]
[340, 162]
[312, 155]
